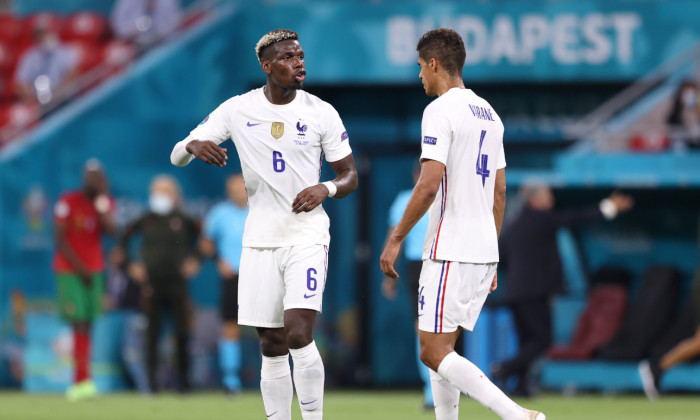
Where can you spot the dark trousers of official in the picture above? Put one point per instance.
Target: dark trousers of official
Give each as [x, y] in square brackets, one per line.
[168, 298]
[533, 323]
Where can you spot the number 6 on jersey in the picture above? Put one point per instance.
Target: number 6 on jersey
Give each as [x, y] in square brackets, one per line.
[278, 164]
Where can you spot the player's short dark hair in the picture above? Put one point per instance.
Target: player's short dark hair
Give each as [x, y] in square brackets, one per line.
[446, 46]
[273, 37]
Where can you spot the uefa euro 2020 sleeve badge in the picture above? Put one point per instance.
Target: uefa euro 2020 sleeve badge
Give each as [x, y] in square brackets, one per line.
[277, 130]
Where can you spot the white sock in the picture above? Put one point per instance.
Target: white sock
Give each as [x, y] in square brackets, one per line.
[445, 398]
[309, 378]
[276, 387]
[466, 377]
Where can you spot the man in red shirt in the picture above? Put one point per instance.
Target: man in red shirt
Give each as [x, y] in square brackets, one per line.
[80, 217]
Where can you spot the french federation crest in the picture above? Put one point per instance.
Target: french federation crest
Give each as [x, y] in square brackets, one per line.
[277, 130]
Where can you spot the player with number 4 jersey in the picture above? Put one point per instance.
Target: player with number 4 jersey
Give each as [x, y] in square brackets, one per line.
[462, 187]
[281, 134]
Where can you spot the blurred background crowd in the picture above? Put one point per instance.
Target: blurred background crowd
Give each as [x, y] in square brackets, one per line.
[600, 101]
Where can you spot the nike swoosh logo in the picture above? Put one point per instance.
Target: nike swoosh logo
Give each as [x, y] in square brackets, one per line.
[253, 125]
[306, 297]
[307, 403]
[268, 416]
[420, 315]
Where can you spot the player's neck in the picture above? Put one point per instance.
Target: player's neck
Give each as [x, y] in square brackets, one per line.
[447, 83]
[278, 95]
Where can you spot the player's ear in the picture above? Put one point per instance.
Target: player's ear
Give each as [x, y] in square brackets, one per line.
[266, 66]
[433, 64]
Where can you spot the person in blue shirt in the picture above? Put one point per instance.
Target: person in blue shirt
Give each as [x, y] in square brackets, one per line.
[413, 252]
[222, 239]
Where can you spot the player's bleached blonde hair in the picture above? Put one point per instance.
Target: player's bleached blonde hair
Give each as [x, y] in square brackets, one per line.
[273, 37]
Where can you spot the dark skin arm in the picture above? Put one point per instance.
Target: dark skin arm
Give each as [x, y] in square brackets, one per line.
[66, 250]
[208, 151]
[422, 197]
[346, 182]
[309, 198]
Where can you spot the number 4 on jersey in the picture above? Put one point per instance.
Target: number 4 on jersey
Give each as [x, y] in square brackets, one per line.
[483, 160]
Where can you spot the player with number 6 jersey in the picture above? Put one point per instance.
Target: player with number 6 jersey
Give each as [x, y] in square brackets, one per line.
[281, 134]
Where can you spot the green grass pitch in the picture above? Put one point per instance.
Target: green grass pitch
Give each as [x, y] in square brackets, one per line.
[339, 405]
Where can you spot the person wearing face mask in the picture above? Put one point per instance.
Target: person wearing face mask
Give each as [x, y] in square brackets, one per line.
[46, 69]
[169, 257]
[80, 218]
[684, 118]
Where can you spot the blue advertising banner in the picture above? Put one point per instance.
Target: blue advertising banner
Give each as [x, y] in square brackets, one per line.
[505, 40]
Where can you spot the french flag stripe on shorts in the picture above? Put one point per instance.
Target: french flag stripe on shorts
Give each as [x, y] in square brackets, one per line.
[444, 288]
[440, 297]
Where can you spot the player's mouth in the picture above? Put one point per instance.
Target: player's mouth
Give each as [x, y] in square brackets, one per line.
[299, 77]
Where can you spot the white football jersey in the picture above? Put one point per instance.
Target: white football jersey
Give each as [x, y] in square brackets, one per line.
[281, 148]
[463, 132]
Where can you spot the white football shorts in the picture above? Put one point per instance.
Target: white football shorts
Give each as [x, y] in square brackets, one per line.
[272, 280]
[451, 294]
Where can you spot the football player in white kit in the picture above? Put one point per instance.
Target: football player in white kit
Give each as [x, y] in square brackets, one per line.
[281, 134]
[462, 186]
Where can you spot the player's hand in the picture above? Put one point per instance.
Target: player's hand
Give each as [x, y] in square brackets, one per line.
[138, 272]
[86, 278]
[494, 284]
[386, 261]
[208, 151]
[190, 267]
[622, 202]
[225, 270]
[389, 288]
[310, 198]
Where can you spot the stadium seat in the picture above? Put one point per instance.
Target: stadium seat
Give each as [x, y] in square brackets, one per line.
[20, 115]
[10, 28]
[89, 54]
[8, 58]
[86, 27]
[6, 92]
[117, 54]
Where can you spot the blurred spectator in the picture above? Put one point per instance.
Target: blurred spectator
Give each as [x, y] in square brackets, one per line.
[80, 217]
[124, 296]
[169, 254]
[144, 22]
[652, 370]
[684, 119]
[529, 254]
[413, 252]
[46, 68]
[13, 341]
[223, 239]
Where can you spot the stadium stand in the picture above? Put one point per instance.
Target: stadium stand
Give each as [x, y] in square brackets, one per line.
[571, 126]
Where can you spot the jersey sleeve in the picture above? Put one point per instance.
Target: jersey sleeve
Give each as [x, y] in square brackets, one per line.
[334, 139]
[436, 136]
[215, 126]
[501, 162]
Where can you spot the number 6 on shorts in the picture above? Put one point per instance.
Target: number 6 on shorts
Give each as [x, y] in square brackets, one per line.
[311, 282]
